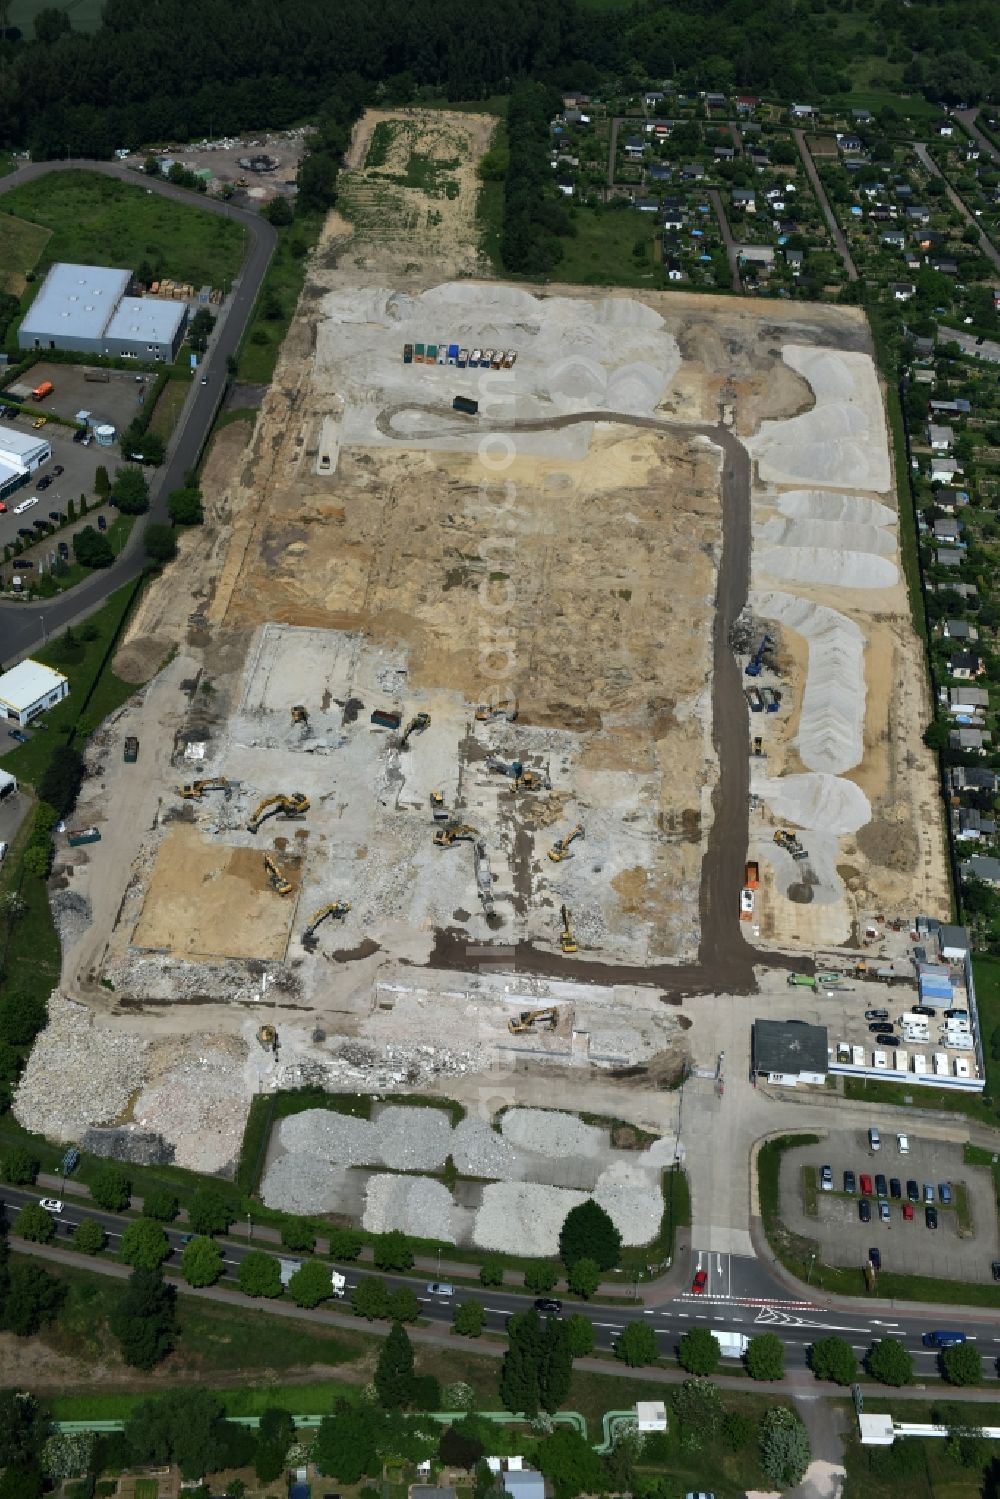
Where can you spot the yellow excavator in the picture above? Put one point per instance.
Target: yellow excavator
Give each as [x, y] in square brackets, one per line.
[521, 779]
[560, 849]
[295, 805]
[445, 837]
[439, 811]
[567, 941]
[528, 1019]
[416, 725]
[195, 790]
[268, 1038]
[278, 881]
[300, 713]
[505, 708]
[335, 908]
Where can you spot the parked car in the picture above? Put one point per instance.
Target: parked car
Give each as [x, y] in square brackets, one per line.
[881, 1188]
[850, 1184]
[50, 1204]
[944, 1192]
[876, 1014]
[879, 1027]
[700, 1282]
[927, 1010]
[883, 1212]
[866, 1185]
[908, 1212]
[25, 531]
[928, 1191]
[903, 1144]
[16, 733]
[956, 1014]
[864, 1210]
[995, 1267]
[102, 524]
[930, 1217]
[58, 470]
[912, 1190]
[875, 1256]
[895, 1188]
[826, 1178]
[44, 481]
[79, 434]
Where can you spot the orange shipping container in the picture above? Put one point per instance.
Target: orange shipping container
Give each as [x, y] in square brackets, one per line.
[751, 875]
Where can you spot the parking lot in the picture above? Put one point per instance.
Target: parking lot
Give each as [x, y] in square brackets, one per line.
[115, 400]
[79, 465]
[907, 1247]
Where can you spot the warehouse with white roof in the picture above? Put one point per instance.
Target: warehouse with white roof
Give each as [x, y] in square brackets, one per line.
[86, 310]
[21, 453]
[28, 689]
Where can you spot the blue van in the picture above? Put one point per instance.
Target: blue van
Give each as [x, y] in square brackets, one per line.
[943, 1337]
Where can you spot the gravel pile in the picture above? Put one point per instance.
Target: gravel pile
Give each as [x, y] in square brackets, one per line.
[478, 1150]
[78, 1074]
[830, 804]
[415, 1204]
[335, 1137]
[301, 1184]
[413, 1139]
[633, 1200]
[523, 1217]
[200, 1105]
[552, 1134]
[71, 914]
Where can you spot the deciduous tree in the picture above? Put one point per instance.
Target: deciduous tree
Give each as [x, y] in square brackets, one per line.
[260, 1274]
[394, 1370]
[699, 1351]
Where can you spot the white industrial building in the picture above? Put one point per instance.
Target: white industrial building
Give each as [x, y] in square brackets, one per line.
[86, 309]
[28, 689]
[21, 453]
[8, 785]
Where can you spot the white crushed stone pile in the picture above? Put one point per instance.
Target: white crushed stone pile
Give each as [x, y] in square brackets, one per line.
[790, 564]
[632, 1198]
[552, 1134]
[826, 504]
[414, 1204]
[841, 440]
[829, 804]
[523, 1217]
[413, 1139]
[302, 1184]
[78, 1074]
[831, 723]
[829, 535]
[338, 1137]
[479, 1150]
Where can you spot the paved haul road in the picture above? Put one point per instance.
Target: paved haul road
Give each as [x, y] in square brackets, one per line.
[968, 119]
[25, 626]
[727, 239]
[798, 1324]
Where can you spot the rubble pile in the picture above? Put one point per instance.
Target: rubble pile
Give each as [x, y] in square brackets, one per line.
[79, 1073]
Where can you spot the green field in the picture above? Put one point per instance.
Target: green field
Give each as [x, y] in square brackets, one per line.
[601, 252]
[100, 221]
[279, 295]
[168, 408]
[21, 244]
[84, 15]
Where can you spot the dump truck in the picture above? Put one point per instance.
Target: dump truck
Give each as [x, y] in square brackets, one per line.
[466, 405]
[751, 874]
[45, 388]
[130, 752]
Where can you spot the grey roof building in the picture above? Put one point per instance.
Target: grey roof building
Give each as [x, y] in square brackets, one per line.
[981, 867]
[524, 1483]
[84, 309]
[790, 1050]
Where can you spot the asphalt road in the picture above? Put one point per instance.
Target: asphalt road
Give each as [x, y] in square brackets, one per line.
[26, 626]
[930, 165]
[726, 1303]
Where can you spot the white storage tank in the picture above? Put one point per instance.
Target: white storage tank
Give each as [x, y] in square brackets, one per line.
[105, 435]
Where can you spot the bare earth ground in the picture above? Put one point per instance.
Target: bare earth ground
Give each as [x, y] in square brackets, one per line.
[368, 548]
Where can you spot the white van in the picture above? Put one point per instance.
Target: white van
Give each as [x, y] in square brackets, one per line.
[902, 1142]
[26, 504]
[874, 1140]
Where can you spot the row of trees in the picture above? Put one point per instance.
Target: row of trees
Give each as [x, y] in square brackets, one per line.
[534, 214]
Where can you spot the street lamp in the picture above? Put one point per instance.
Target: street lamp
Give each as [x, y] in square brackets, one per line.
[812, 1261]
[249, 1227]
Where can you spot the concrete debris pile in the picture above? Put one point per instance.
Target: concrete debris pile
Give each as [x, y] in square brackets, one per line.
[78, 1074]
[552, 1133]
[201, 1103]
[414, 1204]
[71, 914]
[525, 1214]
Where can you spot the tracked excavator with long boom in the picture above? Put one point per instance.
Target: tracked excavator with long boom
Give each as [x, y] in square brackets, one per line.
[195, 790]
[277, 879]
[294, 805]
[528, 1019]
[417, 724]
[526, 780]
[560, 849]
[445, 837]
[567, 940]
[335, 908]
[505, 708]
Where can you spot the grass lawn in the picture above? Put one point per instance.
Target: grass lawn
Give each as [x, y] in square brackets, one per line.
[601, 254]
[118, 533]
[168, 408]
[21, 243]
[284, 280]
[100, 221]
[928, 1469]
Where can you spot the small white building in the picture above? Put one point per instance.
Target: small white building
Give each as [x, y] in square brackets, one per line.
[651, 1415]
[28, 689]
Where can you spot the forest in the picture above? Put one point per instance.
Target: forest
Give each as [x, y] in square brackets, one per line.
[170, 71]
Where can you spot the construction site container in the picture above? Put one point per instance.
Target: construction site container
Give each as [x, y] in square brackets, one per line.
[751, 874]
[442, 353]
[432, 353]
[486, 359]
[463, 403]
[76, 837]
[407, 353]
[387, 718]
[453, 353]
[418, 354]
[463, 358]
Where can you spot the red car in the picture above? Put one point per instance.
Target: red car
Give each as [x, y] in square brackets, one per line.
[700, 1282]
[3, 508]
[908, 1211]
[867, 1189]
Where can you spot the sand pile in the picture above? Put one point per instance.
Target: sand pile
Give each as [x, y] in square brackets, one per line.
[825, 504]
[831, 724]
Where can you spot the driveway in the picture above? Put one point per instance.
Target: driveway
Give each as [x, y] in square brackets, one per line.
[836, 233]
[25, 626]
